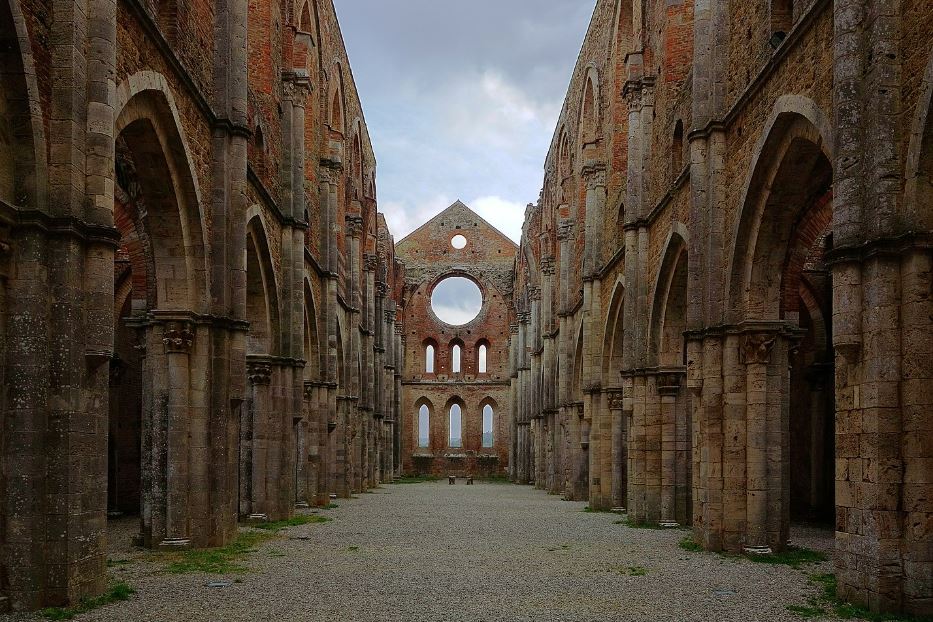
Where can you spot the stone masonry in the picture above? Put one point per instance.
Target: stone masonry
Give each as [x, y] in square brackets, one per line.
[197, 292]
[720, 314]
[732, 256]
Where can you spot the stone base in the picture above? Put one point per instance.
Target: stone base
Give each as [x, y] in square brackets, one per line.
[257, 518]
[757, 550]
[670, 524]
[174, 544]
[302, 504]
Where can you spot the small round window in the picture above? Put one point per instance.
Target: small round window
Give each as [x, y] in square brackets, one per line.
[458, 241]
[456, 301]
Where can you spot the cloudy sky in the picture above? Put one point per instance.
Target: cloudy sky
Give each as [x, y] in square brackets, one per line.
[461, 98]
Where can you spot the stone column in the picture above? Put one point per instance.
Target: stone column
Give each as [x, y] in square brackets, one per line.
[259, 376]
[756, 352]
[178, 339]
[616, 412]
[668, 389]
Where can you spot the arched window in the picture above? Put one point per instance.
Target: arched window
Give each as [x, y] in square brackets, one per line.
[488, 420]
[455, 359]
[429, 359]
[677, 149]
[482, 358]
[456, 426]
[336, 112]
[424, 426]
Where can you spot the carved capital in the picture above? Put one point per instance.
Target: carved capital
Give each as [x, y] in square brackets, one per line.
[370, 261]
[565, 229]
[547, 266]
[296, 87]
[513, 329]
[757, 348]
[178, 338]
[534, 292]
[615, 400]
[389, 315]
[594, 174]
[259, 373]
[354, 225]
[309, 390]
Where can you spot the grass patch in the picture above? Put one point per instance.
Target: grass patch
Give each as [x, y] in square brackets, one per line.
[294, 521]
[353, 548]
[637, 571]
[414, 479]
[117, 592]
[827, 600]
[628, 521]
[689, 544]
[114, 563]
[222, 560]
[792, 556]
[330, 506]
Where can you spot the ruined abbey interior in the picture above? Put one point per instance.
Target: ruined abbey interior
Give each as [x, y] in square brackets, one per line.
[719, 316]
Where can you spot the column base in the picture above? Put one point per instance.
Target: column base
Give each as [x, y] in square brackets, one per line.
[618, 510]
[757, 550]
[257, 518]
[668, 524]
[174, 544]
[302, 504]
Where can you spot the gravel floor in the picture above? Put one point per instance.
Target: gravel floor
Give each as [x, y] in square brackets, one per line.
[487, 552]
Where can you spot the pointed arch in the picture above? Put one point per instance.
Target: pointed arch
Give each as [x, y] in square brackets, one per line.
[262, 307]
[23, 163]
[588, 131]
[456, 414]
[425, 411]
[796, 145]
[614, 331]
[312, 347]
[918, 203]
[149, 124]
[667, 321]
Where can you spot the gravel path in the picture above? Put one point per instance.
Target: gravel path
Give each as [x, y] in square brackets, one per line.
[430, 551]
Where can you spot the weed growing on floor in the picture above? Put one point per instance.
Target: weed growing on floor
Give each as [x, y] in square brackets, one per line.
[299, 519]
[791, 556]
[688, 544]
[628, 521]
[827, 600]
[597, 510]
[114, 563]
[414, 479]
[353, 548]
[222, 560]
[117, 592]
[330, 506]
[637, 571]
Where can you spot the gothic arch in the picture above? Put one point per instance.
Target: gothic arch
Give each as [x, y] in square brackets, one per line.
[588, 131]
[796, 143]
[23, 164]
[262, 304]
[148, 123]
[312, 348]
[614, 331]
[668, 309]
[918, 203]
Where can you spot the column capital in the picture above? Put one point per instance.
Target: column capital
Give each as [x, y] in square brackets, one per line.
[259, 372]
[756, 348]
[547, 265]
[178, 338]
[616, 400]
[296, 86]
[354, 225]
[565, 229]
[594, 174]
[370, 262]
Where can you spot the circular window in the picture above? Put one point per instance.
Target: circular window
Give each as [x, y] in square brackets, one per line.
[458, 241]
[456, 300]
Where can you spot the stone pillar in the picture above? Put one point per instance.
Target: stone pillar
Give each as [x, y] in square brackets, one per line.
[668, 389]
[757, 357]
[616, 405]
[178, 339]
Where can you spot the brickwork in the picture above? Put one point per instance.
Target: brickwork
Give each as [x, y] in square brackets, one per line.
[733, 340]
[205, 291]
[488, 259]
